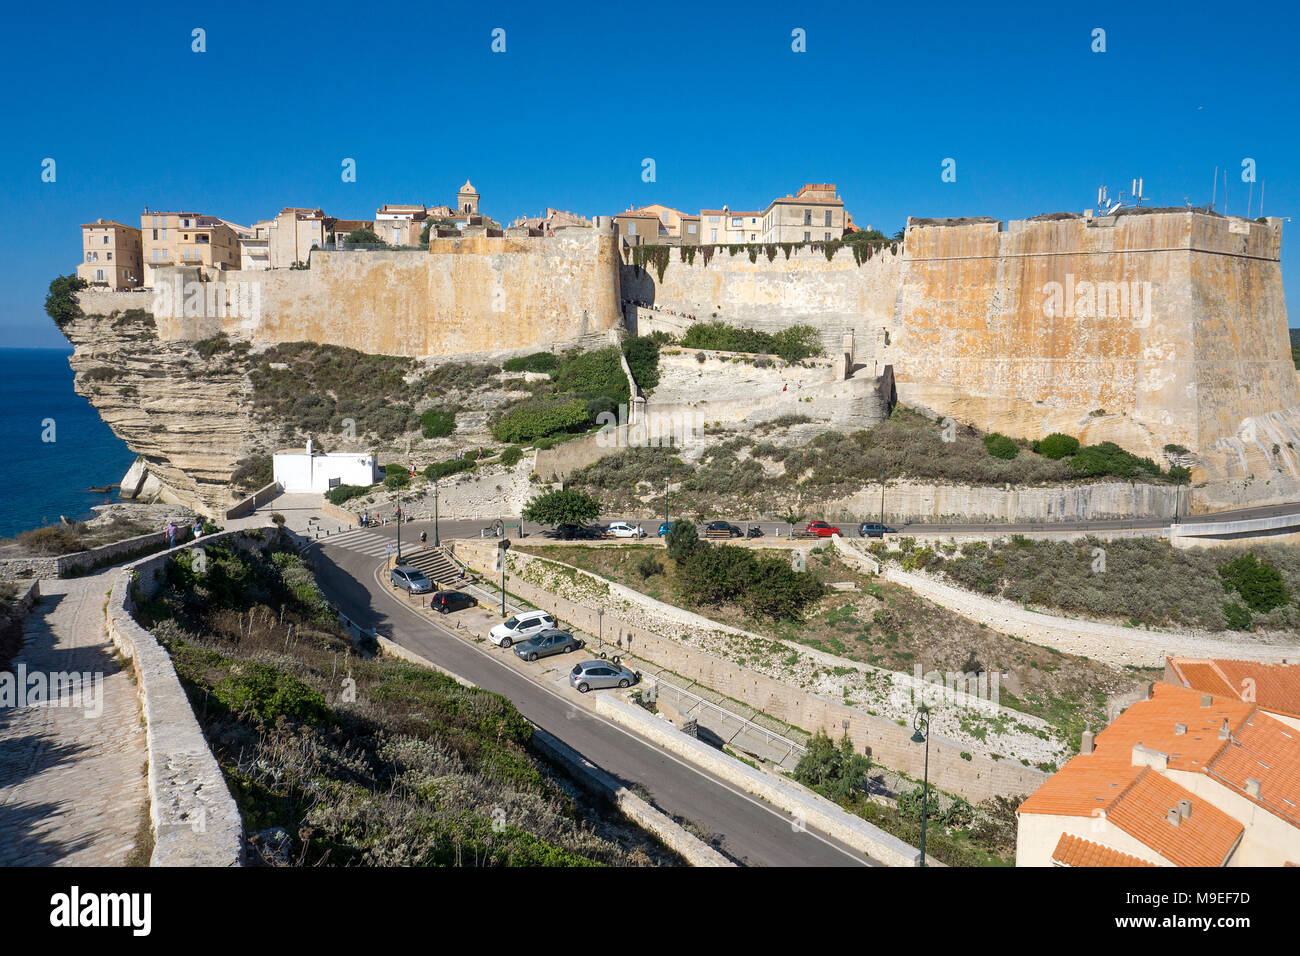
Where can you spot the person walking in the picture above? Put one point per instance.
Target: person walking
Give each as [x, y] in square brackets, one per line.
[171, 534]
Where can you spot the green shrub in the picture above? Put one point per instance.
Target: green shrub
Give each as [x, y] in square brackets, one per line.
[539, 417]
[563, 506]
[441, 469]
[590, 374]
[649, 566]
[682, 540]
[1000, 446]
[793, 344]
[1237, 616]
[344, 493]
[642, 353]
[834, 771]
[537, 362]
[1259, 584]
[1057, 446]
[1094, 461]
[271, 694]
[437, 423]
[510, 457]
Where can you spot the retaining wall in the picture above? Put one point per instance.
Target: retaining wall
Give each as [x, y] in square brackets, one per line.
[195, 820]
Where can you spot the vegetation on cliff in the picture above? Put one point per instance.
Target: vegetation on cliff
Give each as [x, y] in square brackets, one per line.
[793, 344]
[61, 301]
[1143, 581]
[341, 759]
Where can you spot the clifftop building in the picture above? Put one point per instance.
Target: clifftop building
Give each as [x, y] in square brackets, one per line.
[111, 255]
[188, 239]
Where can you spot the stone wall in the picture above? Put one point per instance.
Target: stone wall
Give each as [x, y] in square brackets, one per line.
[195, 820]
[889, 744]
[255, 500]
[476, 294]
[82, 561]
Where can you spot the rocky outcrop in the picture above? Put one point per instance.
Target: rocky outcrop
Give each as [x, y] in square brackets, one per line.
[188, 418]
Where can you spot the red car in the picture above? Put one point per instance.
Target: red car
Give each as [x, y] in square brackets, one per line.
[821, 529]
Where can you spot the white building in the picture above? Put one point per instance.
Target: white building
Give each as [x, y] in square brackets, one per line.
[304, 471]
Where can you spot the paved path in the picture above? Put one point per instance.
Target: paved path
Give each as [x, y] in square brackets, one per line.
[72, 784]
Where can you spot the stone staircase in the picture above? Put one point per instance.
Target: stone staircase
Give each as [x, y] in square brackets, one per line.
[437, 566]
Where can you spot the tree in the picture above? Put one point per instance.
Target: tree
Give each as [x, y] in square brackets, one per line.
[362, 236]
[562, 507]
[838, 772]
[61, 302]
[1260, 585]
[866, 235]
[682, 540]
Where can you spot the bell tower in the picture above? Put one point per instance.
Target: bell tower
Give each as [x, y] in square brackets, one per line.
[467, 200]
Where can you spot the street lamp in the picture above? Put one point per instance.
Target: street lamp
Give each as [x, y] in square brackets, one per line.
[668, 479]
[882, 494]
[504, 545]
[600, 625]
[399, 529]
[921, 734]
[435, 512]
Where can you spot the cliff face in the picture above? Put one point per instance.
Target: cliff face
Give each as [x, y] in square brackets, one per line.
[190, 418]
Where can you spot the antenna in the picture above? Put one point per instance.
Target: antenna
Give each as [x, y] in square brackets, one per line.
[1215, 195]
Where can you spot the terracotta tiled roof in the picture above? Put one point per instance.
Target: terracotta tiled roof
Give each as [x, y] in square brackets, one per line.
[351, 225]
[1273, 687]
[1268, 751]
[1076, 851]
[1206, 837]
[108, 222]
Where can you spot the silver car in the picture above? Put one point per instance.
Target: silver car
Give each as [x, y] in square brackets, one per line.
[595, 675]
[548, 642]
[406, 578]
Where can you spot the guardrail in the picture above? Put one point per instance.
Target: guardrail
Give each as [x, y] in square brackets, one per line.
[773, 739]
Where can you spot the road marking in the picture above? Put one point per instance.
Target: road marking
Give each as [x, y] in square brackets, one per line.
[575, 711]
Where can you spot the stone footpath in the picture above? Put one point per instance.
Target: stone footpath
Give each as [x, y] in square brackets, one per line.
[72, 786]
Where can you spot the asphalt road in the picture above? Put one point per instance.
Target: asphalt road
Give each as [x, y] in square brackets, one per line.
[462, 528]
[753, 832]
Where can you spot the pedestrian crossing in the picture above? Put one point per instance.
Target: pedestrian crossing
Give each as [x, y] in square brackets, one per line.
[368, 542]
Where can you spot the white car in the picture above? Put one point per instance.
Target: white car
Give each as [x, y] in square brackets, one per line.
[520, 627]
[621, 529]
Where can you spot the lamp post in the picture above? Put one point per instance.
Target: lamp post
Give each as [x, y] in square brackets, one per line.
[504, 545]
[399, 529]
[882, 494]
[600, 628]
[435, 513]
[668, 479]
[921, 734]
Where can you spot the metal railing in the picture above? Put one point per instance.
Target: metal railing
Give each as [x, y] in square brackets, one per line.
[702, 705]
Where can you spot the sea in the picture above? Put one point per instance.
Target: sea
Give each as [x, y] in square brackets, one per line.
[58, 445]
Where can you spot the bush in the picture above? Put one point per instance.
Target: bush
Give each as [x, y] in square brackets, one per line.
[1259, 584]
[253, 472]
[1237, 616]
[537, 362]
[396, 476]
[1057, 446]
[1000, 446]
[510, 457]
[539, 417]
[1094, 461]
[649, 566]
[590, 374]
[642, 354]
[437, 423]
[562, 507]
[834, 771]
[344, 493]
[441, 469]
[682, 540]
[793, 344]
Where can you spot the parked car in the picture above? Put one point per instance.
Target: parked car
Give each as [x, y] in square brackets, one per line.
[546, 643]
[520, 627]
[723, 529]
[409, 579]
[595, 675]
[874, 529]
[665, 527]
[444, 602]
[572, 532]
[621, 529]
[820, 529]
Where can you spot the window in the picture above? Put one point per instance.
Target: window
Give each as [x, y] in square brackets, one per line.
[155, 225]
[807, 236]
[99, 275]
[807, 217]
[751, 237]
[690, 228]
[631, 230]
[736, 222]
[828, 217]
[714, 235]
[155, 235]
[108, 256]
[828, 237]
[164, 235]
[105, 240]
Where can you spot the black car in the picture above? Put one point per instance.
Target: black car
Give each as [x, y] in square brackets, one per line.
[723, 529]
[874, 529]
[578, 532]
[444, 602]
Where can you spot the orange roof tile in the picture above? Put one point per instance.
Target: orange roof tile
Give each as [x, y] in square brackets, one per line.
[1274, 687]
[1076, 851]
[1204, 838]
[1268, 751]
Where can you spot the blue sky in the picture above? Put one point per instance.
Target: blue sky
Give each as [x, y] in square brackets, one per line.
[712, 91]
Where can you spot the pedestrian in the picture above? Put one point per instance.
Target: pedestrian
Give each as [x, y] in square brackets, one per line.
[197, 530]
[171, 534]
[424, 536]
